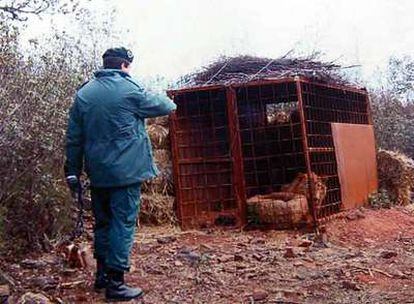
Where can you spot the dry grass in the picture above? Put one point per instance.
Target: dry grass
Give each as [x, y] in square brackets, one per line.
[157, 202]
[396, 175]
[162, 158]
[161, 120]
[157, 209]
[159, 136]
[284, 209]
[163, 183]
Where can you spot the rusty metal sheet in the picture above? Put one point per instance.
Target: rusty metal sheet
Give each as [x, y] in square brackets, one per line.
[356, 158]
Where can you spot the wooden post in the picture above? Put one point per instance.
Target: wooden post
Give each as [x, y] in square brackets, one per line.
[306, 151]
[236, 155]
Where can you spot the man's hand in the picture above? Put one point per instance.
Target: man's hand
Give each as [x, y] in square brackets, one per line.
[73, 184]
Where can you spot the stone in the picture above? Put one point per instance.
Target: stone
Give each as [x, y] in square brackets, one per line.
[154, 270]
[29, 263]
[299, 277]
[289, 253]
[194, 256]
[355, 214]
[260, 295]
[33, 298]
[305, 243]
[166, 239]
[350, 285]
[190, 256]
[178, 263]
[225, 258]
[258, 256]
[44, 282]
[258, 241]
[388, 254]
[241, 266]
[238, 257]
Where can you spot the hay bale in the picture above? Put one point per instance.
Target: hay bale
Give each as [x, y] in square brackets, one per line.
[281, 208]
[156, 200]
[158, 136]
[290, 207]
[157, 209]
[396, 175]
[162, 158]
[163, 183]
[161, 121]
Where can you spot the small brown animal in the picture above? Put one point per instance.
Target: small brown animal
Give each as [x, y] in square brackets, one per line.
[279, 117]
[302, 184]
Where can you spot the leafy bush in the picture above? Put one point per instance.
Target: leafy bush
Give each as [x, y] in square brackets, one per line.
[381, 199]
[401, 77]
[36, 93]
[37, 86]
[393, 122]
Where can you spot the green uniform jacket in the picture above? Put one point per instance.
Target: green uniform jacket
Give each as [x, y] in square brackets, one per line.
[106, 130]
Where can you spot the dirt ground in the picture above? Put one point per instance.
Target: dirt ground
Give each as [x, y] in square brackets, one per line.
[366, 256]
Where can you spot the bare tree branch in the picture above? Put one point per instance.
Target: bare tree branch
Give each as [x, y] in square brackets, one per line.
[20, 10]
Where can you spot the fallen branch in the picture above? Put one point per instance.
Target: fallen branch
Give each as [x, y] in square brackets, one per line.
[369, 271]
[72, 284]
[382, 272]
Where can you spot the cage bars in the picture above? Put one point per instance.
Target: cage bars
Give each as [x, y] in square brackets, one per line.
[225, 150]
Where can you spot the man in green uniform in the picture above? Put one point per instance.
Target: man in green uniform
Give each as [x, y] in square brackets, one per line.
[106, 136]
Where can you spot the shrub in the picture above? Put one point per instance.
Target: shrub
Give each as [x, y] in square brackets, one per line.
[393, 122]
[381, 199]
[36, 93]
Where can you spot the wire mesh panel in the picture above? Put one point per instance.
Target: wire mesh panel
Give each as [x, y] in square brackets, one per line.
[265, 145]
[273, 155]
[203, 164]
[271, 137]
[323, 105]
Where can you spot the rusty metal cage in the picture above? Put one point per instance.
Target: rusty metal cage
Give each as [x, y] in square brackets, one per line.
[227, 147]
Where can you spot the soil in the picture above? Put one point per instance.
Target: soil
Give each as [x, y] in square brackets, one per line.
[366, 256]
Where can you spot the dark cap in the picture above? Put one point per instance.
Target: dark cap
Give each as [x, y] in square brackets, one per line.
[119, 52]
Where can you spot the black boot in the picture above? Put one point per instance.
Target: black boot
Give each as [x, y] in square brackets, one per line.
[118, 290]
[101, 278]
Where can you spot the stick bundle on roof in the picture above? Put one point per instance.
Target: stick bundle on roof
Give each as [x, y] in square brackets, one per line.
[246, 68]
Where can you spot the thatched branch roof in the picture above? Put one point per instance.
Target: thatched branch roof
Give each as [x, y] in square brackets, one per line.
[240, 69]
